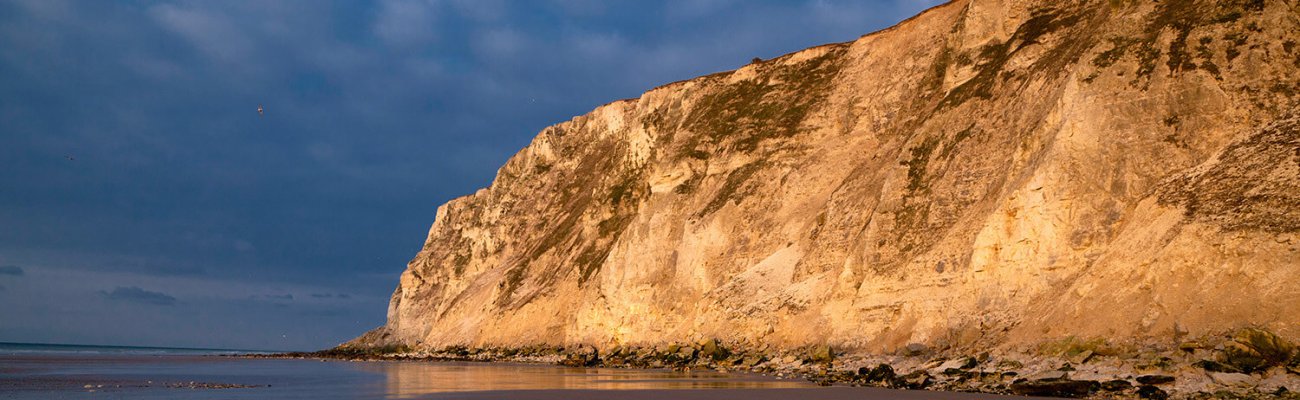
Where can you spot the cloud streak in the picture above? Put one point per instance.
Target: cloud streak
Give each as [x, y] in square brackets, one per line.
[330, 295]
[11, 270]
[405, 23]
[137, 295]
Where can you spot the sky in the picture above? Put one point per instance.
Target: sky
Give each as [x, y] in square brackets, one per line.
[144, 201]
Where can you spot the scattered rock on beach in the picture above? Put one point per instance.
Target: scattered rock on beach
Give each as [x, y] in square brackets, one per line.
[583, 356]
[1056, 388]
[1152, 393]
[957, 365]
[821, 354]
[713, 349]
[687, 353]
[1082, 357]
[206, 385]
[1214, 366]
[1009, 365]
[882, 374]
[1232, 378]
[1151, 374]
[915, 349]
[1253, 350]
[1048, 376]
[917, 380]
[1155, 379]
[1116, 385]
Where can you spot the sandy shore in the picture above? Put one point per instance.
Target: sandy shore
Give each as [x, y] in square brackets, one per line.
[191, 377]
[826, 393]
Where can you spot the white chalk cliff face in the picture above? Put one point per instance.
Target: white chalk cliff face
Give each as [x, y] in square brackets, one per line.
[990, 173]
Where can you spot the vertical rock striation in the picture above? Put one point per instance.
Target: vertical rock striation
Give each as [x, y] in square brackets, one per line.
[991, 173]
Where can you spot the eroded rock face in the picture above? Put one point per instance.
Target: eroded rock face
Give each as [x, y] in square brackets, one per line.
[989, 174]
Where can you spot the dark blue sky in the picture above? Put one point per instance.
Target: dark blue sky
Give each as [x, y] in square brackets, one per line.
[143, 201]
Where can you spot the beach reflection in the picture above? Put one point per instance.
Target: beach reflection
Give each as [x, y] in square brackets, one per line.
[413, 379]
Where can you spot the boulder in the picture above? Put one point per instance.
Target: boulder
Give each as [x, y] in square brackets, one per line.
[1232, 379]
[1082, 357]
[686, 353]
[821, 354]
[1215, 366]
[881, 375]
[1155, 379]
[917, 380]
[1116, 385]
[959, 363]
[1055, 388]
[1254, 350]
[915, 349]
[1006, 365]
[713, 349]
[1152, 393]
[583, 356]
[1048, 376]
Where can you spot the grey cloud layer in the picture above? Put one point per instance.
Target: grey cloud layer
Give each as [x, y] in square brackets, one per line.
[133, 145]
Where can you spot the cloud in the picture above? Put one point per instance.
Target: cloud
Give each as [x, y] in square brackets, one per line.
[480, 10]
[405, 22]
[499, 44]
[688, 9]
[243, 246]
[330, 295]
[322, 312]
[598, 47]
[46, 9]
[210, 33]
[13, 270]
[280, 296]
[581, 7]
[137, 295]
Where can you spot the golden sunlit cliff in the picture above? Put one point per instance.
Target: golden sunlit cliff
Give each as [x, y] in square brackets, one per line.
[992, 174]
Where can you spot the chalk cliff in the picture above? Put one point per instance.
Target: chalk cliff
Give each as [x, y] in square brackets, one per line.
[990, 173]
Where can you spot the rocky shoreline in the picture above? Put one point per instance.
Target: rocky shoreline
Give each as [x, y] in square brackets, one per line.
[1252, 364]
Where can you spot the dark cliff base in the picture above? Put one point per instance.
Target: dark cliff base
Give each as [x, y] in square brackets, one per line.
[1249, 365]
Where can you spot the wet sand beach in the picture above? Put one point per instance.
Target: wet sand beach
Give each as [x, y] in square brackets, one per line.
[75, 376]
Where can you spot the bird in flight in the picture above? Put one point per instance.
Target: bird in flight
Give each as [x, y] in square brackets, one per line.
[260, 111]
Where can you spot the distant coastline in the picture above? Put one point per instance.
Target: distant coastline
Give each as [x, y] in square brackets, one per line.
[65, 348]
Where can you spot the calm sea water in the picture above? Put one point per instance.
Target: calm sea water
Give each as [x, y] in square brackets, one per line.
[97, 372]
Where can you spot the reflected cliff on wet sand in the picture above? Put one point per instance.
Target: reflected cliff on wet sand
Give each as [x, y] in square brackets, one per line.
[416, 379]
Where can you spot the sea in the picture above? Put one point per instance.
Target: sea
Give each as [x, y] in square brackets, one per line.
[56, 371]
